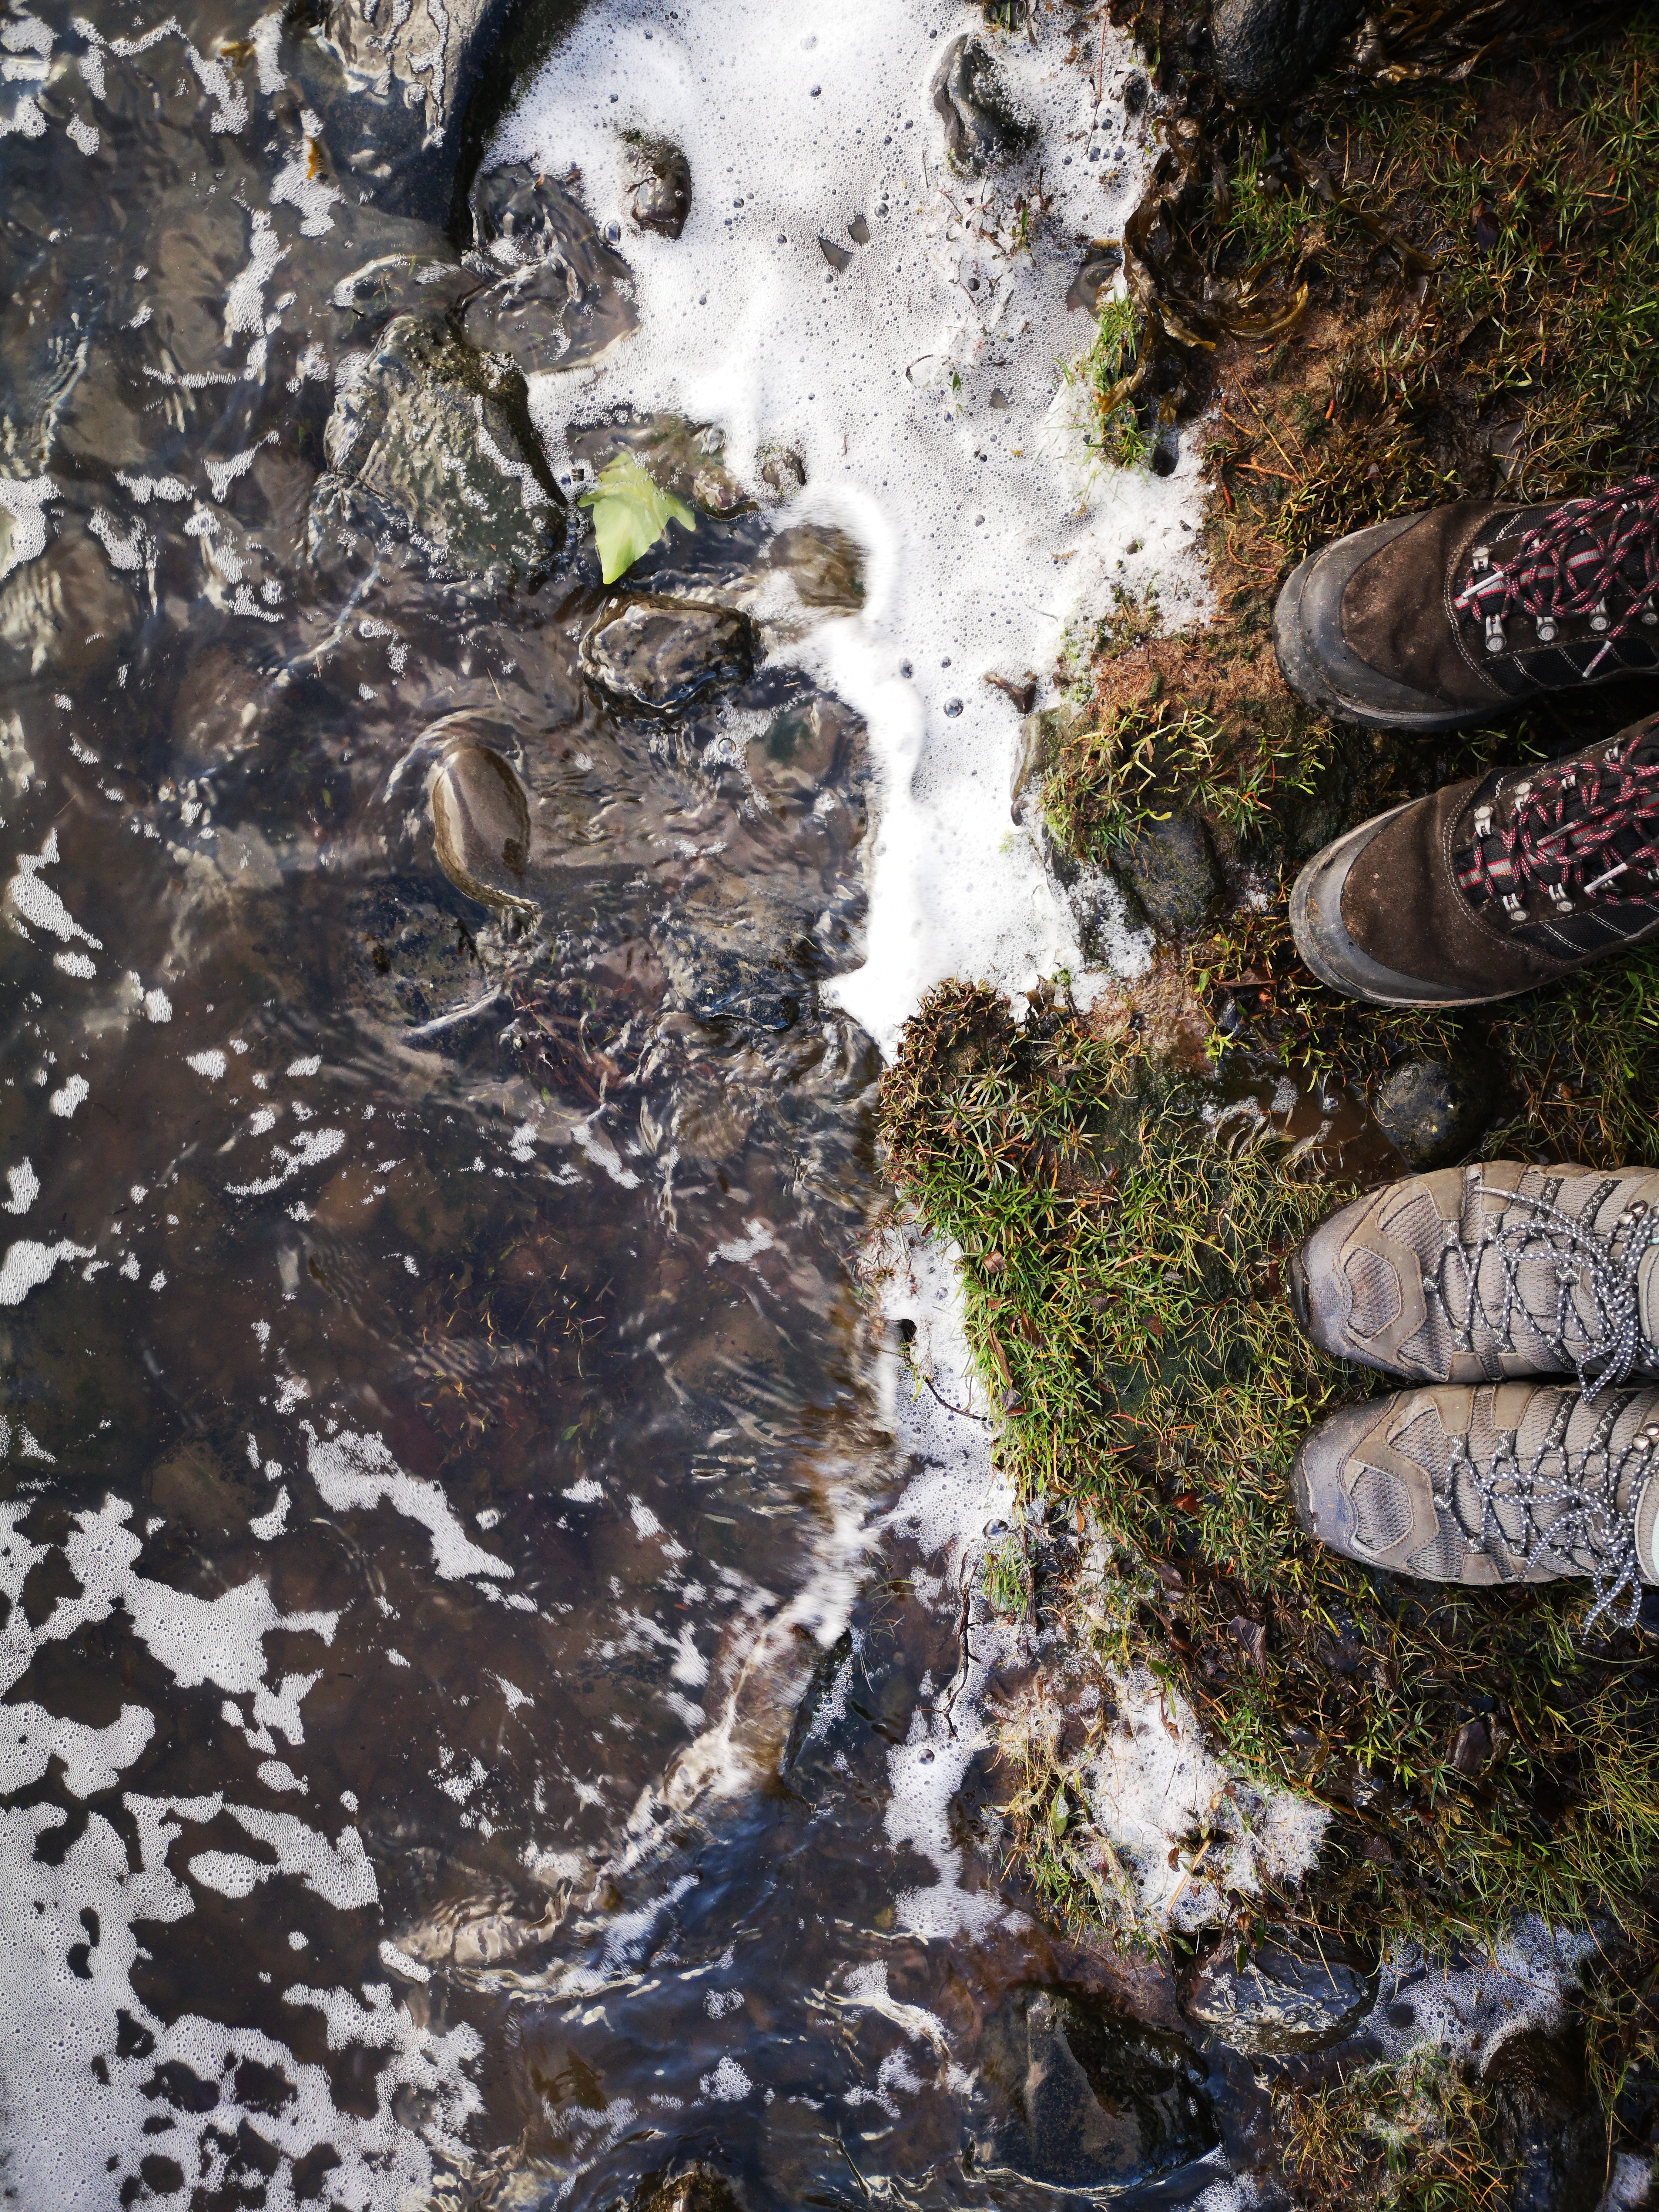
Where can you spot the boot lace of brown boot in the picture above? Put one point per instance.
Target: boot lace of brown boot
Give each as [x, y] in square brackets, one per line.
[1569, 837]
[1594, 559]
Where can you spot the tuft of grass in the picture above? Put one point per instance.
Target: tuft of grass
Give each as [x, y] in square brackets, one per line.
[1107, 372]
[1414, 2136]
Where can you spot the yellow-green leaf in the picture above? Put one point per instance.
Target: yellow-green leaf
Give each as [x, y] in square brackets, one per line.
[631, 511]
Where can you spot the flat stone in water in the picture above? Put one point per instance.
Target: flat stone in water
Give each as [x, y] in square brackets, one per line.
[1096, 2100]
[481, 825]
[436, 438]
[980, 128]
[1279, 2000]
[825, 564]
[658, 654]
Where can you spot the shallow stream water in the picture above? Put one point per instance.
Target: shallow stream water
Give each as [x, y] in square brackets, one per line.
[487, 1713]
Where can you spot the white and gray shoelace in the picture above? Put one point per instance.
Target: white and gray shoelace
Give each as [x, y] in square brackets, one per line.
[1579, 1256]
[1574, 1520]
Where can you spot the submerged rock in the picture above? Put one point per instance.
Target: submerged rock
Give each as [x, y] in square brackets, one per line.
[565, 299]
[481, 825]
[660, 199]
[1433, 1110]
[1547, 2128]
[980, 128]
[1097, 2101]
[825, 565]
[1173, 874]
[695, 2189]
[395, 87]
[435, 440]
[1279, 1999]
[782, 471]
[660, 653]
[714, 974]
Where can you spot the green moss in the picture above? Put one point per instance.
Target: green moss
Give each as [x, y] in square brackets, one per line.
[1106, 372]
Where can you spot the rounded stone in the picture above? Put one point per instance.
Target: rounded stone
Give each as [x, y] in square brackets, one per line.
[481, 825]
[1279, 1999]
[1433, 1110]
[661, 654]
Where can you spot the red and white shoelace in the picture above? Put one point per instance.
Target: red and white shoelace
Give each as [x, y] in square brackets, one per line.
[1587, 831]
[1592, 559]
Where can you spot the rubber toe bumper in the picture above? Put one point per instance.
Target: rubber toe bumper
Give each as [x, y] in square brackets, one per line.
[1316, 1492]
[1323, 670]
[1322, 939]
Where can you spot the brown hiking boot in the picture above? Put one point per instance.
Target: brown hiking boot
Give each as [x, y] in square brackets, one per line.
[1474, 1274]
[1490, 887]
[1505, 1483]
[1432, 621]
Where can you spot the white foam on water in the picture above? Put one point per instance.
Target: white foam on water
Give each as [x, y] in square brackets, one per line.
[980, 548]
[359, 1472]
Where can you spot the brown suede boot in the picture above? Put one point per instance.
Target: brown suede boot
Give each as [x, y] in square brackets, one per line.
[1432, 621]
[1490, 887]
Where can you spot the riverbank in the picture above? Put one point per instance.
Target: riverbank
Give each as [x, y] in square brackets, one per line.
[1397, 294]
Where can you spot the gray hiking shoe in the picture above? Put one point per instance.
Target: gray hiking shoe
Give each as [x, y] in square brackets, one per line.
[1517, 1482]
[1474, 1274]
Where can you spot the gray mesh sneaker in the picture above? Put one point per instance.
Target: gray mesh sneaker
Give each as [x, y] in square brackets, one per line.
[1473, 1274]
[1517, 1482]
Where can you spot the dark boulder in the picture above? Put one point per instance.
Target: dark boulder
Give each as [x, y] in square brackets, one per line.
[1092, 2100]
[1433, 1110]
[1172, 871]
[1265, 50]
[433, 441]
[661, 194]
[1546, 2127]
[660, 653]
[1279, 1998]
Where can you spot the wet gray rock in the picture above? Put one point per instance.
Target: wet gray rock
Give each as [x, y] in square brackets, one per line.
[715, 974]
[1097, 270]
[660, 197]
[1433, 1110]
[397, 89]
[1265, 50]
[1172, 871]
[1040, 736]
[825, 564]
[564, 300]
[481, 825]
[981, 127]
[1279, 1999]
[1546, 2128]
[1094, 2100]
[661, 654]
[433, 441]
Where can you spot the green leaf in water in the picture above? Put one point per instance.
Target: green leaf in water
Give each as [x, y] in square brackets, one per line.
[631, 511]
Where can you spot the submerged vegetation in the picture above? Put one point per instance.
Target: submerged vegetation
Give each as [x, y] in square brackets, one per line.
[1442, 285]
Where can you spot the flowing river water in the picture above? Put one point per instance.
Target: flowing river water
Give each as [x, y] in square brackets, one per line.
[489, 1718]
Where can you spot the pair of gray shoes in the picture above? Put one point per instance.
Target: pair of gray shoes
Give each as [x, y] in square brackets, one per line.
[1472, 1285]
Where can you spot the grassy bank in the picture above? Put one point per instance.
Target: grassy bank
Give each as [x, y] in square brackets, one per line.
[1392, 295]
